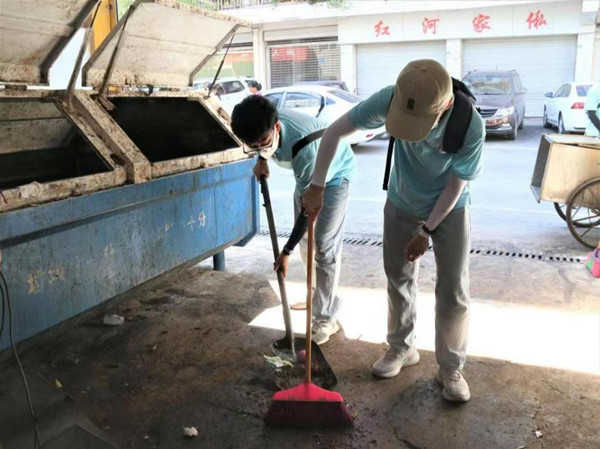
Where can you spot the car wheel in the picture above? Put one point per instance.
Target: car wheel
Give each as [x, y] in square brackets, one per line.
[545, 121]
[561, 125]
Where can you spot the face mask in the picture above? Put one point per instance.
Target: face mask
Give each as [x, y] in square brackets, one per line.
[267, 152]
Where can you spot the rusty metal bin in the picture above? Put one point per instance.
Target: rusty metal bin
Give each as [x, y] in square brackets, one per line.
[141, 76]
[47, 151]
[130, 192]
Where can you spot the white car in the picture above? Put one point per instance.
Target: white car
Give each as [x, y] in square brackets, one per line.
[323, 102]
[565, 108]
[232, 89]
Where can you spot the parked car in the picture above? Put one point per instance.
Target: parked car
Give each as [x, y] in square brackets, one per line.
[230, 90]
[565, 108]
[330, 83]
[500, 100]
[321, 101]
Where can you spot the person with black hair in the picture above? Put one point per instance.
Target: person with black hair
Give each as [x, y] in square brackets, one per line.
[255, 87]
[290, 139]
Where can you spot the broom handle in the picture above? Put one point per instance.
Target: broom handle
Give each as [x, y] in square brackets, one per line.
[309, 266]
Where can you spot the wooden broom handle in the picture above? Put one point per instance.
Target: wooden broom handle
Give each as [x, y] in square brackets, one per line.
[309, 270]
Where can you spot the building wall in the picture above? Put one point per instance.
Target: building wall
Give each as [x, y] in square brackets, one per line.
[516, 21]
[485, 22]
[453, 23]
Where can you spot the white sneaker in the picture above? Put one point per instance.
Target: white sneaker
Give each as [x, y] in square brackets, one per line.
[322, 332]
[455, 386]
[390, 364]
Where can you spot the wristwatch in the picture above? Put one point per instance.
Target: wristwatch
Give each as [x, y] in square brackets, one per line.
[425, 232]
[286, 251]
[422, 233]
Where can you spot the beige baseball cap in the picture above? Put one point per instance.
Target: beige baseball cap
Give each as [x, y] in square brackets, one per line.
[423, 89]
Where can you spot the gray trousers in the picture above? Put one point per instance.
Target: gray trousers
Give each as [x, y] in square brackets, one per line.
[329, 234]
[451, 245]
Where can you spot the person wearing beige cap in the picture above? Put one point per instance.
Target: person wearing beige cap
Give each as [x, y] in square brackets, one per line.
[437, 146]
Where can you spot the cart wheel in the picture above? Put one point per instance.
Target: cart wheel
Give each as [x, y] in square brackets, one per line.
[560, 210]
[583, 213]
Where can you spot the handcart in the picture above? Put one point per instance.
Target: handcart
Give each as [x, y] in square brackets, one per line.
[567, 172]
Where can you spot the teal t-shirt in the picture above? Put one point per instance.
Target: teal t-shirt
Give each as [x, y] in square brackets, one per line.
[296, 126]
[592, 101]
[421, 169]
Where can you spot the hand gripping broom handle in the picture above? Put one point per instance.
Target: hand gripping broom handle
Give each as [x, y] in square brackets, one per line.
[309, 270]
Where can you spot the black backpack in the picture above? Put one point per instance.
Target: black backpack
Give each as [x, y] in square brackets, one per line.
[456, 130]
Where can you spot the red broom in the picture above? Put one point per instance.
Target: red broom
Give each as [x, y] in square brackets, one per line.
[308, 405]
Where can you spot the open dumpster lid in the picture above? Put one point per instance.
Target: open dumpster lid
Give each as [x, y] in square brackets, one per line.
[32, 35]
[165, 43]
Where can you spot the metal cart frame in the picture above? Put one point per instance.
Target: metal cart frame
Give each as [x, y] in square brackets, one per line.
[567, 173]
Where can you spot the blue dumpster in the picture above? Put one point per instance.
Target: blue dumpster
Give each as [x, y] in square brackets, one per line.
[103, 190]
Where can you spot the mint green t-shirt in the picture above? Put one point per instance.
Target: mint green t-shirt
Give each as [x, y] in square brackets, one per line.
[421, 169]
[296, 126]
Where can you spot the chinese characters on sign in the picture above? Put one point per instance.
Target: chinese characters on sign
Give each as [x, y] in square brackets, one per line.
[381, 30]
[430, 24]
[536, 20]
[480, 23]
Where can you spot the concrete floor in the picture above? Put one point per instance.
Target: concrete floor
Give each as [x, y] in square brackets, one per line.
[191, 354]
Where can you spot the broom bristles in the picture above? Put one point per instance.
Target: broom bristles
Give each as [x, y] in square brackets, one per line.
[308, 406]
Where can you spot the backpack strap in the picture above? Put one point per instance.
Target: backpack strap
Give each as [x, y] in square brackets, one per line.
[306, 140]
[388, 163]
[460, 118]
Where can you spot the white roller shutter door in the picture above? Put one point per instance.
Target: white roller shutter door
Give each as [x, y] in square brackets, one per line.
[308, 61]
[378, 65]
[544, 63]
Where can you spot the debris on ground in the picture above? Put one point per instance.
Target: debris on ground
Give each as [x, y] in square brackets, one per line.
[113, 320]
[277, 363]
[57, 384]
[190, 432]
[538, 434]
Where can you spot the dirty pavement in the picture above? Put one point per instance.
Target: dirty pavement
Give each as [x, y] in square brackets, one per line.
[190, 353]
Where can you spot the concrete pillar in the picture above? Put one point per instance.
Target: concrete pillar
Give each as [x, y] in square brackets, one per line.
[454, 57]
[585, 57]
[260, 57]
[348, 66]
